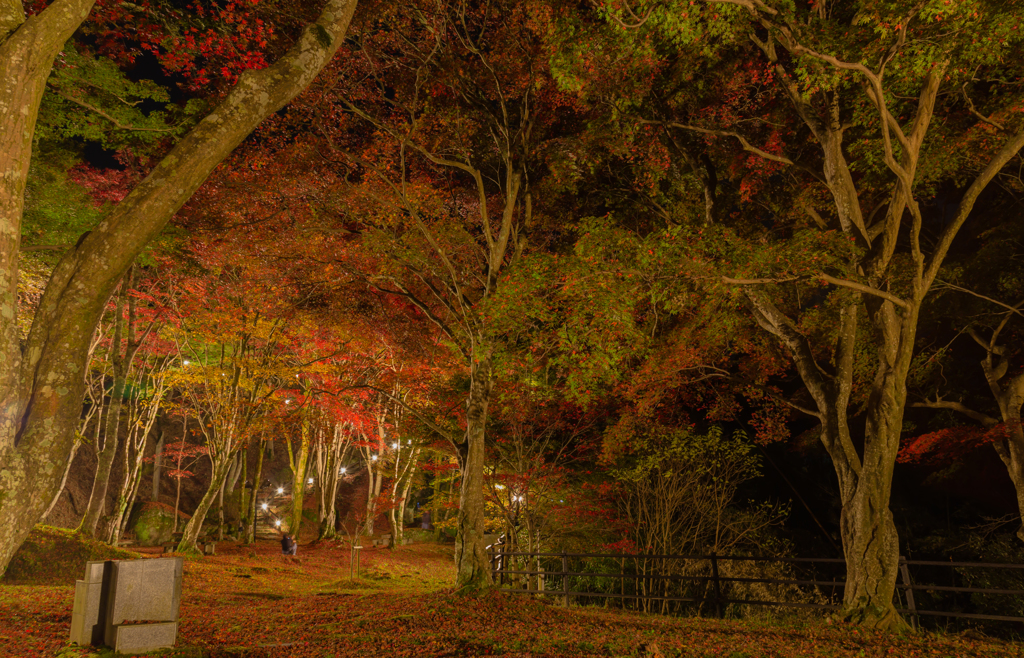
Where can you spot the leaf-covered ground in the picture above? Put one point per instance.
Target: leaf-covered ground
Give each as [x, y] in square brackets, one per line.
[253, 602]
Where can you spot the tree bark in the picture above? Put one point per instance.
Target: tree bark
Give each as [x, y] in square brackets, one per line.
[63, 480]
[41, 382]
[158, 453]
[120, 363]
[257, 478]
[471, 560]
[300, 467]
[329, 458]
[195, 524]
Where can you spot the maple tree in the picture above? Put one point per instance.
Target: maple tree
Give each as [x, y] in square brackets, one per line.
[830, 107]
[41, 380]
[446, 158]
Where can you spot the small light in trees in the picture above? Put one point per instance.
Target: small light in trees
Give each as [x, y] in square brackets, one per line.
[264, 506]
[280, 490]
[186, 362]
[499, 486]
[310, 481]
[287, 401]
[343, 469]
[374, 458]
[395, 445]
[278, 523]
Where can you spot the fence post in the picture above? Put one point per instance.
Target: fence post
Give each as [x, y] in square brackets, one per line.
[717, 585]
[908, 588]
[565, 577]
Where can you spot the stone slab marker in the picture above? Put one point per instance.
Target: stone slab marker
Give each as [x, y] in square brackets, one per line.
[142, 612]
[88, 620]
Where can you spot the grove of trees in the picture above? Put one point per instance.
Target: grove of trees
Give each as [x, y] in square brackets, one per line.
[557, 272]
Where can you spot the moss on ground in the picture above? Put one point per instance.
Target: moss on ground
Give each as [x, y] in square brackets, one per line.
[57, 556]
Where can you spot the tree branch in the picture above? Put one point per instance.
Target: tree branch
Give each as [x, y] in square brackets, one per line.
[938, 403]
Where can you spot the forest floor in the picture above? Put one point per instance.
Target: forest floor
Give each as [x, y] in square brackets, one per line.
[252, 602]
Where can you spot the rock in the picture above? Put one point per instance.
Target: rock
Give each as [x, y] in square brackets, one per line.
[156, 524]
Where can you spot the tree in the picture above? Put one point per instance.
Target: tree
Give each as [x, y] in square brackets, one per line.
[844, 102]
[329, 459]
[455, 101]
[992, 274]
[121, 357]
[41, 379]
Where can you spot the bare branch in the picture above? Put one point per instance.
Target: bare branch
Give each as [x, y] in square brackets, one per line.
[938, 403]
[1013, 309]
[860, 287]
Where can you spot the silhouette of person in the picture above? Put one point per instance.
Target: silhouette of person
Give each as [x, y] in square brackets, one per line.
[288, 545]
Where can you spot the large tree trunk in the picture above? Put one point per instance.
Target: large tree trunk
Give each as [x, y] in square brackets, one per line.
[41, 382]
[300, 466]
[1011, 452]
[472, 563]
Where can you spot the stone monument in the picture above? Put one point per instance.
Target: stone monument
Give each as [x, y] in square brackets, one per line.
[129, 605]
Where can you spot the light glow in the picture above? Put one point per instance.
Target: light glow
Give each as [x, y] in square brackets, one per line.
[310, 481]
[280, 490]
[265, 507]
[343, 469]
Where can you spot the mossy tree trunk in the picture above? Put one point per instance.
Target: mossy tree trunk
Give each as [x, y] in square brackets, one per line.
[41, 379]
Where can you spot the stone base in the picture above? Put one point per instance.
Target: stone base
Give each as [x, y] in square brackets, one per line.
[143, 638]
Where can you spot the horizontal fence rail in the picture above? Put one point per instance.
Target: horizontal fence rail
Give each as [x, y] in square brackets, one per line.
[653, 581]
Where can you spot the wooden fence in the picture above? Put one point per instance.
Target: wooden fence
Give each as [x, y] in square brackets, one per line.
[659, 578]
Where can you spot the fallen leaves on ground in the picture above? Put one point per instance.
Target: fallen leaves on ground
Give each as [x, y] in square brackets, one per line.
[251, 602]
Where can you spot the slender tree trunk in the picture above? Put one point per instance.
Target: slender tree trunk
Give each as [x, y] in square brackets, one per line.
[177, 480]
[243, 502]
[329, 459]
[41, 382]
[121, 365]
[373, 487]
[228, 485]
[220, 510]
[257, 479]
[195, 524]
[63, 480]
[400, 492]
[158, 454]
[473, 567]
